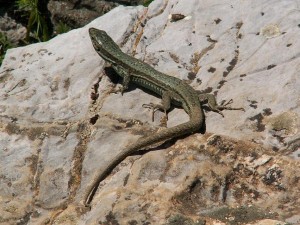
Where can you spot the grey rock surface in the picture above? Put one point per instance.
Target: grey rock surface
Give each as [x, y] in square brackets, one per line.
[77, 13]
[13, 30]
[60, 123]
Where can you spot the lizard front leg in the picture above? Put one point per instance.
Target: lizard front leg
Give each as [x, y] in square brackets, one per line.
[211, 101]
[125, 74]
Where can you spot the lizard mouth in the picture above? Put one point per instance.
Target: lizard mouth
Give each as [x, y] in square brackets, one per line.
[92, 30]
[97, 37]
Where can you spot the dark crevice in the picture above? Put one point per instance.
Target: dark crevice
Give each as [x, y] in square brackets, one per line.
[270, 66]
[205, 91]
[194, 184]
[94, 119]
[209, 39]
[232, 64]
[211, 70]
[191, 75]
[25, 219]
[217, 21]
[77, 4]
[253, 104]
[126, 3]
[228, 180]
[110, 219]
[221, 83]
[259, 124]
[267, 112]
[83, 133]
[95, 90]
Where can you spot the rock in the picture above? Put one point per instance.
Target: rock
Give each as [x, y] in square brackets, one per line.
[77, 13]
[60, 123]
[74, 14]
[269, 222]
[14, 31]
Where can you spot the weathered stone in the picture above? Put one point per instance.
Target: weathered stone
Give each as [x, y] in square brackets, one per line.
[61, 123]
[14, 31]
[77, 13]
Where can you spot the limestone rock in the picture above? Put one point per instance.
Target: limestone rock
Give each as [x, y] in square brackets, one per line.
[77, 13]
[13, 30]
[61, 123]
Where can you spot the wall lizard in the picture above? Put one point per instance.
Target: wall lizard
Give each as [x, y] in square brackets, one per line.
[172, 90]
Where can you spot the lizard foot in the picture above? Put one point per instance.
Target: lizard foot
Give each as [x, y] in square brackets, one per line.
[224, 105]
[119, 90]
[154, 108]
[210, 100]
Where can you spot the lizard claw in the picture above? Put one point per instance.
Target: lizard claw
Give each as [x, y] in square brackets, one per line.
[152, 107]
[224, 105]
[118, 90]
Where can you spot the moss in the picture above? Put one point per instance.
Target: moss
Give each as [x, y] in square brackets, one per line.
[147, 3]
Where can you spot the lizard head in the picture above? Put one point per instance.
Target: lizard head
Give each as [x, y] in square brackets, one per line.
[104, 44]
[98, 37]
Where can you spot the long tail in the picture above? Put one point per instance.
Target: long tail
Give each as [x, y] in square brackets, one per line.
[182, 129]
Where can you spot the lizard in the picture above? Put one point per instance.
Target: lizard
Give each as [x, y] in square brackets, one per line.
[171, 89]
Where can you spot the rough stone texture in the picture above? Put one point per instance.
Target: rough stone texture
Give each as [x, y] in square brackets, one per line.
[79, 13]
[60, 123]
[13, 30]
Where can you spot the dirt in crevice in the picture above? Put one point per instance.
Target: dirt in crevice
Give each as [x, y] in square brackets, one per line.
[198, 56]
[233, 62]
[242, 171]
[83, 133]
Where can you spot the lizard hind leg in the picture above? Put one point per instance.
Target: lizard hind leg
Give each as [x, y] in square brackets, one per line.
[164, 106]
[211, 101]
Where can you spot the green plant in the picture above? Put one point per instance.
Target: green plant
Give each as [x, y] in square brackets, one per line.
[37, 25]
[147, 3]
[62, 28]
[5, 44]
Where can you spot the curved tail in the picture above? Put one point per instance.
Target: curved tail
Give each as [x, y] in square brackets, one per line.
[182, 129]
